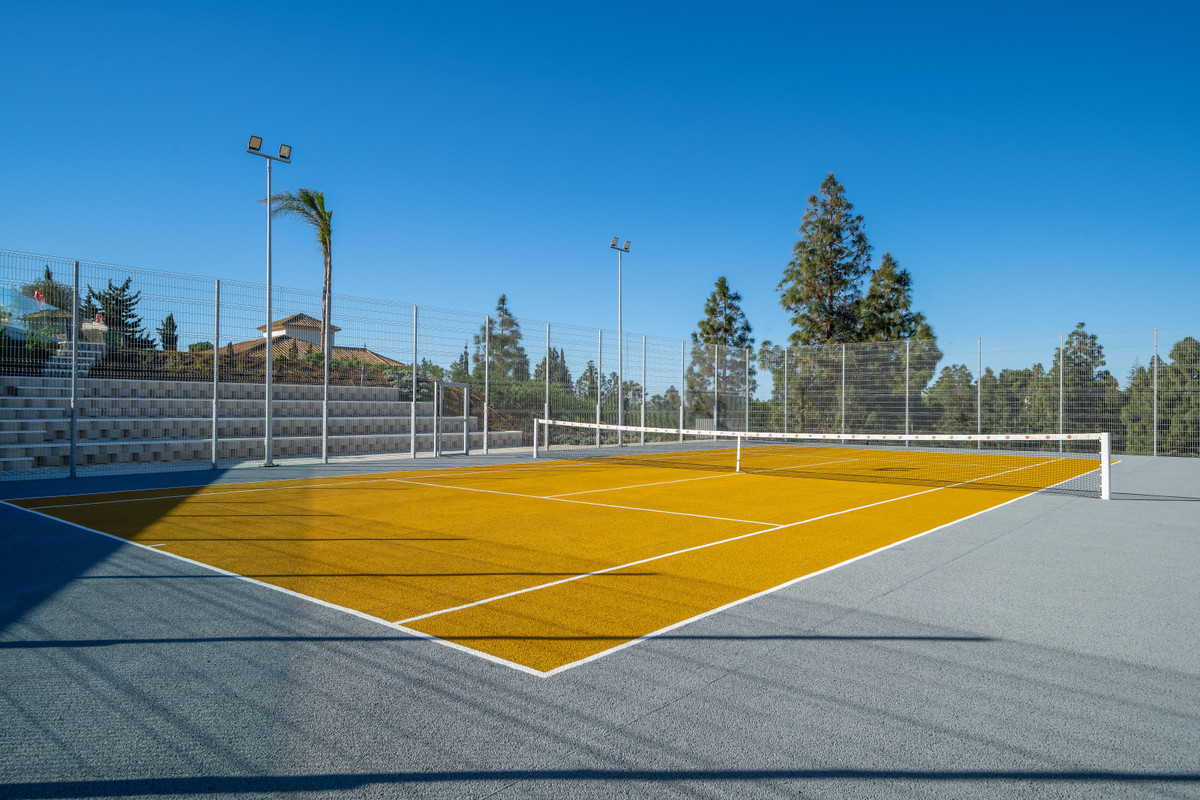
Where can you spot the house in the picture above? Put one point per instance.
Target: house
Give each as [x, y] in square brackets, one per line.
[304, 333]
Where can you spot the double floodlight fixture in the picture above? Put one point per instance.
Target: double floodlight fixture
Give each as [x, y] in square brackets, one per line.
[255, 147]
[616, 246]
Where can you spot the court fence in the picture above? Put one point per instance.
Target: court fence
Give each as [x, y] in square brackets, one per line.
[111, 368]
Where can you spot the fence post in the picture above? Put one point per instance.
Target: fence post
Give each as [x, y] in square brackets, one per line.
[546, 410]
[487, 358]
[746, 355]
[1155, 450]
[907, 361]
[74, 368]
[843, 387]
[785, 389]
[328, 338]
[412, 409]
[1062, 368]
[716, 392]
[979, 391]
[599, 379]
[643, 388]
[682, 382]
[216, 419]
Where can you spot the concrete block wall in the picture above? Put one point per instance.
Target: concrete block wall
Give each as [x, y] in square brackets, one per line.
[147, 422]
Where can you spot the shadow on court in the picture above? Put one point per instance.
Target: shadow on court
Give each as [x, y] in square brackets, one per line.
[283, 784]
[74, 643]
[28, 577]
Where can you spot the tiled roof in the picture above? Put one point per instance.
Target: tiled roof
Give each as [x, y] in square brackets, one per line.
[283, 346]
[298, 321]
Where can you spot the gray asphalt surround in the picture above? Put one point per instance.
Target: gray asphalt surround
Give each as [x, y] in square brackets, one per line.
[1048, 648]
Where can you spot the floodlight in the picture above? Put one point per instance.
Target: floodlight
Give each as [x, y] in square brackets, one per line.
[614, 241]
[255, 143]
[285, 151]
[627, 246]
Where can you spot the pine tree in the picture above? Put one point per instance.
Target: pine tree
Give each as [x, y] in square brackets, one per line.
[721, 346]
[884, 313]
[820, 286]
[118, 304]
[509, 362]
[168, 333]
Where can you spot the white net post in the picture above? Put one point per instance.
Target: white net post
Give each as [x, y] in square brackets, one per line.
[1106, 466]
[738, 462]
[535, 436]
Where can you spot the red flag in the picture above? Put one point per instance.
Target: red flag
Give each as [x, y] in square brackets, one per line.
[99, 318]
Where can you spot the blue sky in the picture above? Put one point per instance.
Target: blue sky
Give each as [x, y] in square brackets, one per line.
[1032, 165]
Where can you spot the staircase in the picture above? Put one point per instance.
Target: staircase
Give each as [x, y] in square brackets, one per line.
[59, 364]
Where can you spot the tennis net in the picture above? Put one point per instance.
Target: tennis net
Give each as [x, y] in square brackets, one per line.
[1077, 464]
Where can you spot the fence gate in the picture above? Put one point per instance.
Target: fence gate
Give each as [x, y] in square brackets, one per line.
[452, 424]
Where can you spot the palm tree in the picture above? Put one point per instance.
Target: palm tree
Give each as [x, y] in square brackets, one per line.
[309, 206]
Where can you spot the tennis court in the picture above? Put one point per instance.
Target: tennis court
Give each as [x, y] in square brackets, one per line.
[546, 564]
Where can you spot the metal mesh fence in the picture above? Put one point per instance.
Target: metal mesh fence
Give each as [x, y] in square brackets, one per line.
[142, 369]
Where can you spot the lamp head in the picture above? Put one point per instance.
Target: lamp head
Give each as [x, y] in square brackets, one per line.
[255, 144]
[613, 243]
[626, 247]
[285, 151]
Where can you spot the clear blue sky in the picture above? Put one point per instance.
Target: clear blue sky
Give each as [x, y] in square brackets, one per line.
[1032, 165]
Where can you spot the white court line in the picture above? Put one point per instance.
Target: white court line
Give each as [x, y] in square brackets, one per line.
[580, 502]
[639, 562]
[307, 598]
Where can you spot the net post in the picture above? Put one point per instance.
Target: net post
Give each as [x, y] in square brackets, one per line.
[738, 464]
[535, 437]
[1106, 466]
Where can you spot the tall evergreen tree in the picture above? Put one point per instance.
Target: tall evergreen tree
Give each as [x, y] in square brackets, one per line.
[118, 304]
[508, 360]
[720, 349]
[560, 374]
[168, 333]
[821, 284]
[885, 313]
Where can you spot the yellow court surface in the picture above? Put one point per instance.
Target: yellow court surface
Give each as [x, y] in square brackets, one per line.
[538, 565]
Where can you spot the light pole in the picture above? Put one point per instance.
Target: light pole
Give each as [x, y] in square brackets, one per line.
[620, 344]
[284, 157]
